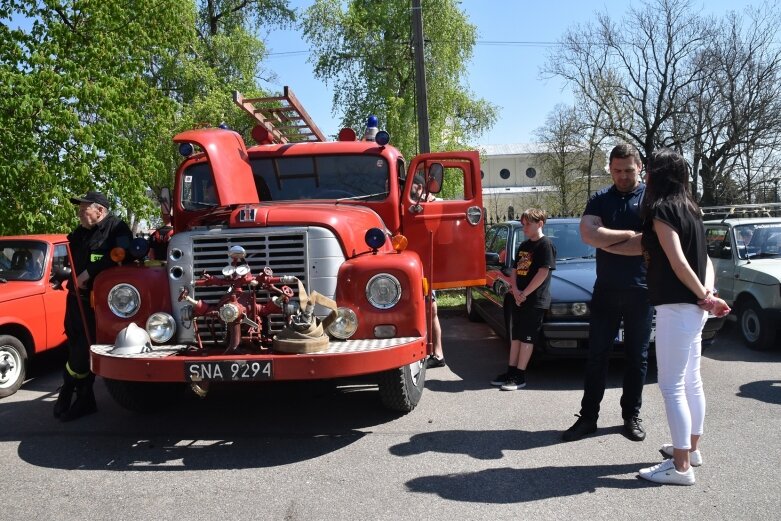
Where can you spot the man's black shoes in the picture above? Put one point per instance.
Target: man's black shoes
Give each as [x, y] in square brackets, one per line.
[581, 428]
[633, 430]
[433, 362]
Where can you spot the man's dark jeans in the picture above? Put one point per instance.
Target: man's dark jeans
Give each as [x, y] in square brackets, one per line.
[608, 307]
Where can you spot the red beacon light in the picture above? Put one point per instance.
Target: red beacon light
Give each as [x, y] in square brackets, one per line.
[261, 135]
[347, 134]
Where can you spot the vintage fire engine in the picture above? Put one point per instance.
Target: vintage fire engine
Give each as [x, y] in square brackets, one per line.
[294, 259]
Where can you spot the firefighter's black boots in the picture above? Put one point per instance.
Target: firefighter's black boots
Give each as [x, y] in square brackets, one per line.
[85, 400]
[66, 394]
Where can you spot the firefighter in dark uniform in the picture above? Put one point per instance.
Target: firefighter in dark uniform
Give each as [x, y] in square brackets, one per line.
[90, 246]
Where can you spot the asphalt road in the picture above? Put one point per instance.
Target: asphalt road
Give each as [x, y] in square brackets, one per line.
[469, 451]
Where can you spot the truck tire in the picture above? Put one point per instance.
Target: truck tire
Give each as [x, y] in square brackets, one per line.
[401, 389]
[144, 396]
[13, 365]
[757, 332]
[471, 311]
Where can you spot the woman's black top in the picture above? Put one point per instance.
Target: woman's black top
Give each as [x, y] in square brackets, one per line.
[664, 287]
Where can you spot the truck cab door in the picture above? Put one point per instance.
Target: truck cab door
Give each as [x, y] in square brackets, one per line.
[442, 217]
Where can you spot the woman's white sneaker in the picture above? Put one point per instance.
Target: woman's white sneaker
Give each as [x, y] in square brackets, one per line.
[666, 474]
[695, 458]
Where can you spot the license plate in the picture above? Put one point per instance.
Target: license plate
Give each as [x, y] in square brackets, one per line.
[228, 371]
[620, 337]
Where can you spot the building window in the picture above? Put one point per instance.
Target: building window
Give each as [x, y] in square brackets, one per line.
[504, 173]
[531, 173]
[510, 213]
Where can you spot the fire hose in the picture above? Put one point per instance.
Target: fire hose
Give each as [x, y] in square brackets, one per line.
[305, 333]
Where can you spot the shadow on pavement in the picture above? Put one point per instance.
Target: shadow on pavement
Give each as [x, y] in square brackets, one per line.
[517, 485]
[237, 427]
[768, 391]
[484, 444]
[729, 347]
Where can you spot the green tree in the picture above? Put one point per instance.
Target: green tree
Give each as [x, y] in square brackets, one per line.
[564, 159]
[363, 48]
[93, 91]
[76, 110]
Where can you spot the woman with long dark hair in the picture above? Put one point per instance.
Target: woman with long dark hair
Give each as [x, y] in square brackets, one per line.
[680, 286]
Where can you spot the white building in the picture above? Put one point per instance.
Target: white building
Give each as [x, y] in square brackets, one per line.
[513, 180]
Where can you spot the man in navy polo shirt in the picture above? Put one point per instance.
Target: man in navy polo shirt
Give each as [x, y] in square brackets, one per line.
[611, 223]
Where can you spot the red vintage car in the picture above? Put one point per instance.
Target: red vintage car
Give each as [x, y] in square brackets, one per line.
[32, 303]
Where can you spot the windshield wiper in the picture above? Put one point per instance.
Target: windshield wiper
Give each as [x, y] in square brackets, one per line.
[204, 204]
[359, 197]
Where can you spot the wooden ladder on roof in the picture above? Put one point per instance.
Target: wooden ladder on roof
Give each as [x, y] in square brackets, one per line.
[283, 117]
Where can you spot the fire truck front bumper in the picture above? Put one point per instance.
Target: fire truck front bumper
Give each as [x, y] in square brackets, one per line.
[180, 363]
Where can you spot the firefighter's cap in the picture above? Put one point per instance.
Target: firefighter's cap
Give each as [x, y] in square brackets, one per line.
[92, 197]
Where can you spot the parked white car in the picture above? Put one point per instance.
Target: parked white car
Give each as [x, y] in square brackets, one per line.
[746, 254]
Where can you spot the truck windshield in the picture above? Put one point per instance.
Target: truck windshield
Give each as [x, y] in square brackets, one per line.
[358, 177]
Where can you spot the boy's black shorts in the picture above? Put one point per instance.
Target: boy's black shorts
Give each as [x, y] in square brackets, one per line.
[527, 323]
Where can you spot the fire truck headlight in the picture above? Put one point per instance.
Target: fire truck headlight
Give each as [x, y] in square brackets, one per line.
[161, 327]
[344, 325]
[383, 291]
[124, 300]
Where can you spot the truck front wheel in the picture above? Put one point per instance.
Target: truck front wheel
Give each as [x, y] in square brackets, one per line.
[401, 389]
[144, 396]
[13, 365]
[471, 311]
[757, 331]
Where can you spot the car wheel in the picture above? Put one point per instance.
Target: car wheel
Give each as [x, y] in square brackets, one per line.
[13, 365]
[471, 311]
[757, 332]
[144, 396]
[401, 389]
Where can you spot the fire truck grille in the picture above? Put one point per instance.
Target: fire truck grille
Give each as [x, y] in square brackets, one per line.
[285, 254]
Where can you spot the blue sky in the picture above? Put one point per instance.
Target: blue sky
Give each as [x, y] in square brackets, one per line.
[514, 37]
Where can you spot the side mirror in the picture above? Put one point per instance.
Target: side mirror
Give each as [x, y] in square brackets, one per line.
[59, 275]
[726, 252]
[436, 174]
[165, 205]
[492, 259]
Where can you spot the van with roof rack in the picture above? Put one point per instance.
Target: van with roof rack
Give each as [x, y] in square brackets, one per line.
[744, 243]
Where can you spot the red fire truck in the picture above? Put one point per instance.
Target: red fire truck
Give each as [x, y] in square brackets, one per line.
[294, 259]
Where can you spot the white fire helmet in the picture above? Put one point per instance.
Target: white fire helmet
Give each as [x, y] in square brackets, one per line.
[132, 340]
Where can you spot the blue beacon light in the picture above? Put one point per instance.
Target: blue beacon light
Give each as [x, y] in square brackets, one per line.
[186, 149]
[374, 238]
[371, 128]
[382, 138]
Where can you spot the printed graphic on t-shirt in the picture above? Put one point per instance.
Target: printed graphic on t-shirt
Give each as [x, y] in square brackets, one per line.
[524, 263]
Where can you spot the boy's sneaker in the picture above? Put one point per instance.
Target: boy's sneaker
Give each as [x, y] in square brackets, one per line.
[514, 383]
[501, 379]
[433, 362]
[695, 458]
[666, 474]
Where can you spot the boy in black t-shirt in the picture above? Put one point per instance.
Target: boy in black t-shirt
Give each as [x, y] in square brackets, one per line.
[530, 283]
